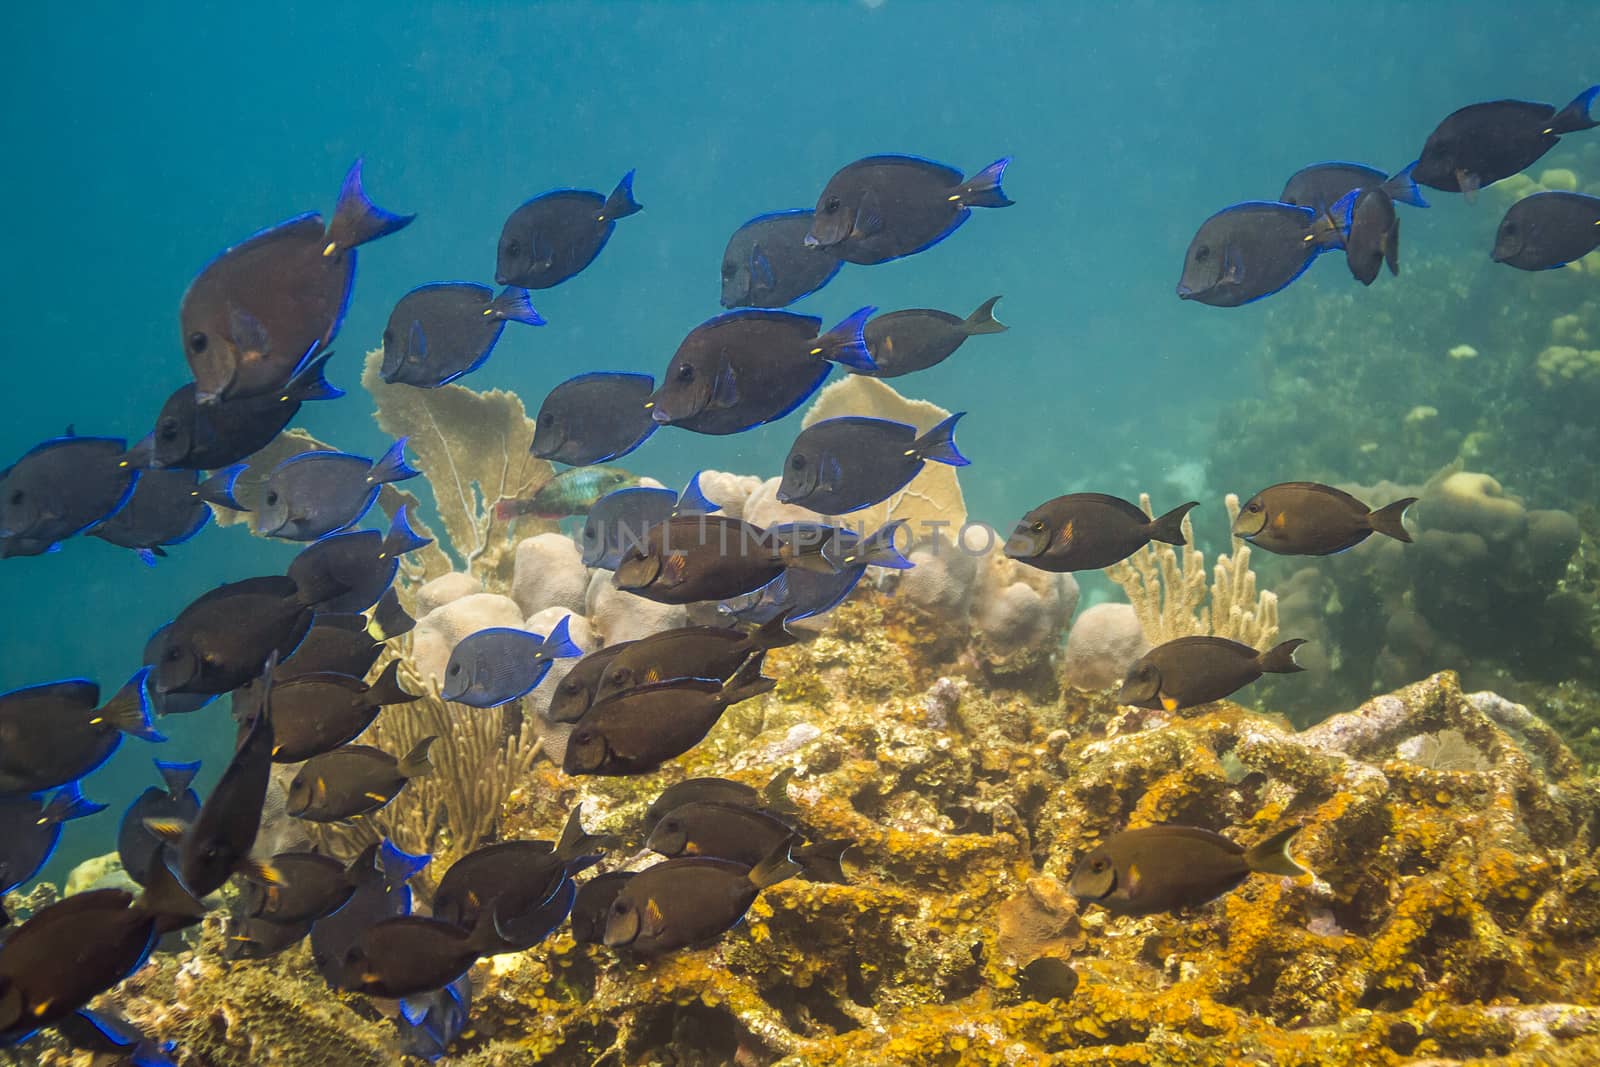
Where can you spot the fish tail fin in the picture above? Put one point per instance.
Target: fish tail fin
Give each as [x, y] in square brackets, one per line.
[878, 549]
[415, 764]
[558, 643]
[822, 860]
[1389, 520]
[846, 345]
[1331, 229]
[165, 895]
[775, 794]
[177, 776]
[401, 538]
[506, 510]
[129, 710]
[514, 305]
[620, 204]
[693, 501]
[390, 618]
[939, 443]
[1279, 659]
[392, 466]
[1168, 528]
[1272, 855]
[983, 188]
[387, 689]
[217, 490]
[1403, 188]
[576, 841]
[356, 219]
[310, 384]
[773, 633]
[748, 681]
[398, 866]
[68, 803]
[1578, 114]
[777, 867]
[982, 320]
[148, 556]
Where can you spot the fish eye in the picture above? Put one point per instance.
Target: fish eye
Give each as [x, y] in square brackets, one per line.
[1511, 227]
[455, 669]
[17, 497]
[797, 462]
[1038, 526]
[172, 655]
[513, 248]
[1253, 507]
[589, 533]
[272, 497]
[831, 205]
[168, 429]
[672, 825]
[547, 419]
[1097, 866]
[197, 341]
[1202, 253]
[686, 373]
[729, 270]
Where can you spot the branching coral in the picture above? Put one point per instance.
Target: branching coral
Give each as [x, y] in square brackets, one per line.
[473, 449]
[1169, 592]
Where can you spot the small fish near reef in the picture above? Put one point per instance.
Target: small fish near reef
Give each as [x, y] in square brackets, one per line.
[711, 557]
[557, 234]
[1089, 531]
[59, 489]
[495, 666]
[905, 341]
[1321, 185]
[444, 331]
[195, 436]
[1311, 519]
[773, 797]
[799, 593]
[1251, 250]
[354, 780]
[174, 801]
[623, 518]
[884, 207]
[594, 418]
[572, 492]
[77, 948]
[768, 263]
[380, 894]
[639, 729]
[260, 309]
[316, 713]
[1482, 143]
[335, 644]
[167, 508]
[1191, 671]
[749, 367]
[706, 652]
[364, 562]
[313, 494]
[58, 732]
[841, 465]
[217, 844]
[313, 886]
[576, 691]
[1165, 868]
[410, 954]
[685, 902]
[30, 829]
[1548, 230]
[1371, 233]
[743, 835]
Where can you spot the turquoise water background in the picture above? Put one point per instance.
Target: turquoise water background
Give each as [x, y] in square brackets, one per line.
[141, 141]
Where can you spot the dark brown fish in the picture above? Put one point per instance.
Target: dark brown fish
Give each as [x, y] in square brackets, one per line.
[353, 780]
[689, 901]
[259, 309]
[55, 733]
[557, 234]
[711, 653]
[1371, 235]
[1311, 519]
[1048, 978]
[574, 694]
[1164, 868]
[919, 338]
[1482, 143]
[594, 418]
[312, 886]
[1087, 531]
[1197, 670]
[316, 713]
[774, 797]
[408, 955]
[711, 557]
[1548, 230]
[335, 644]
[258, 939]
[744, 835]
[636, 731]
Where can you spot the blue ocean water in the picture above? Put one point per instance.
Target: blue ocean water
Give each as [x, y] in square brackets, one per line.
[144, 140]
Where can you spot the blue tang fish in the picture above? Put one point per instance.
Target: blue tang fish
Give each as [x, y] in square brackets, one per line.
[557, 234]
[444, 331]
[884, 207]
[313, 494]
[768, 263]
[59, 489]
[594, 418]
[622, 519]
[167, 508]
[30, 829]
[54, 733]
[494, 666]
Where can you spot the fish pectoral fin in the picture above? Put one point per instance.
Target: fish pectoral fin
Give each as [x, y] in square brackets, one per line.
[725, 390]
[168, 830]
[761, 269]
[264, 872]
[655, 921]
[1470, 184]
[1134, 878]
[868, 219]
[1232, 266]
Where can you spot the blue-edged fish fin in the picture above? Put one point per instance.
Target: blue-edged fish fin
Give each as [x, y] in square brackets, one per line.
[400, 866]
[391, 466]
[1403, 189]
[129, 709]
[693, 501]
[177, 776]
[846, 344]
[356, 219]
[149, 556]
[309, 384]
[620, 204]
[68, 803]
[218, 490]
[401, 537]
[983, 188]
[558, 643]
[1576, 115]
[416, 343]
[514, 305]
[939, 443]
